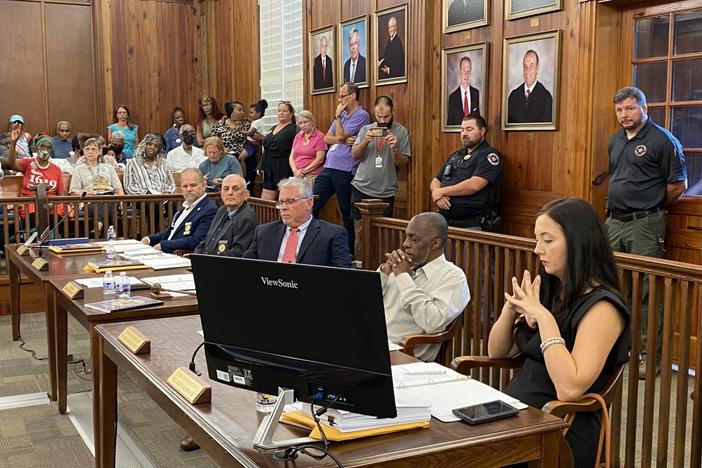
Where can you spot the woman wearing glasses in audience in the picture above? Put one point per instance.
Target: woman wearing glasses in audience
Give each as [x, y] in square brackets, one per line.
[94, 177]
[277, 145]
[570, 322]
[123, 123]
[308, 149]
[208, 114]
[230, 129]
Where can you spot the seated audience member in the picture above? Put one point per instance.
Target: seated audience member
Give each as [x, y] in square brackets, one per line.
[277, 145]
[232, 228]
[570, 322]
[4, 143]
[117, 145]
[147, 172]
[298, 237]
[308, 148]
[99, 142]
[94, 176]
[422, 291]
[254, 135]
[207, 114]
[171, 136]
[37, 170]
[218, 164]
[62, 140]
[22, 145]
[123, 123]
[190, 224]
[186, 155]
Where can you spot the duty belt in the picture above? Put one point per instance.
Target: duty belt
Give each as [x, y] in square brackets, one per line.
[626, 217]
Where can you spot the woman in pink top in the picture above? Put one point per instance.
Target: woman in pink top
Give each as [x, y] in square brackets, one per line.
[309, 149]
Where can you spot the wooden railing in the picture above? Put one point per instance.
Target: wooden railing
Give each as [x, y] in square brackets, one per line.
[491, 260]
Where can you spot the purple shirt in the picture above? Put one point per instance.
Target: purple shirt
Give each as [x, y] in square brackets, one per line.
[339, 155]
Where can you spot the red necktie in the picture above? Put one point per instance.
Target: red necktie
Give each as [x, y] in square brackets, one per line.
[466, 106]
[324, 71]
[290, 252]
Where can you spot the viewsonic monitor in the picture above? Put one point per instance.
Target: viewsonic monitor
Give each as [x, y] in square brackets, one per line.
[319, 331]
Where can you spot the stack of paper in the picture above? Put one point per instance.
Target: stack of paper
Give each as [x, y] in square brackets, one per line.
[175, 282]
[423, 373]
[165, 261]
[135, 283]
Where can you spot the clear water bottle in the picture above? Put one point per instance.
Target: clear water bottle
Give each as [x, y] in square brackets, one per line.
[109, 247]
[111, 234]
[124, 288]
[108, 284]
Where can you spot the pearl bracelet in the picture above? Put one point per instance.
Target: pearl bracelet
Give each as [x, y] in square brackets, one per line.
[551, 341]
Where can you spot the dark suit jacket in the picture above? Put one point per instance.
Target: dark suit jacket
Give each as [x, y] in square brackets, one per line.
[324, 244]
[190, 232]
[235, 236]
[319, 81]
[393, 57]
[360, 70]
[538, 109]
[455, 105]
[459, 13]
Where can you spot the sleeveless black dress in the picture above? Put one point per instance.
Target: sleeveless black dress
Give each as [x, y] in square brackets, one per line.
[533, 386]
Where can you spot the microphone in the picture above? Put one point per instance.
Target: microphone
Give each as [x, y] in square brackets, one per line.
[63, 218]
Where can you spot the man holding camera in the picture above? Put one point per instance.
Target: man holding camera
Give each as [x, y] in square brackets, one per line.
[467, 187]
[380, 147]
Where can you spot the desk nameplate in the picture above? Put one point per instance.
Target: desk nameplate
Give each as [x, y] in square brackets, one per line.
[73, 290]
[22, 250]
[135, 341]
[40, 264]
[190, 386]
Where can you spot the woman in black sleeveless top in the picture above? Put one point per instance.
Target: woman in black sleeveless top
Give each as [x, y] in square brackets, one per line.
[570, 323]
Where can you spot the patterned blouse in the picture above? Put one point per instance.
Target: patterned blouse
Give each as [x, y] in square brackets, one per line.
[140, 179]
[233, 140]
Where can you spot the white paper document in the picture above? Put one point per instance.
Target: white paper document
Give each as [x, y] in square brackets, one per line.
[394, 347]
[183, 282]
[423, 373]
[97, 282]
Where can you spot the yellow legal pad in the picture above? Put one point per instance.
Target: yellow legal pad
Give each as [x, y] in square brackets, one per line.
[117, 265]
[298, 417]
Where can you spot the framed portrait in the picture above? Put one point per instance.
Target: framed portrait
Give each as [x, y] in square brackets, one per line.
[390, 39]
[520, 8]
[463, 84]
[321, 55]
[353, 51]
[464, 14]
[530, 87]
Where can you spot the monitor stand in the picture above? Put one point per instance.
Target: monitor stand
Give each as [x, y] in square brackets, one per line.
[264, 436]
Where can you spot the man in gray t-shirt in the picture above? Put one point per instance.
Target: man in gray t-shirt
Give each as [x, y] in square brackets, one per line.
[380, 148]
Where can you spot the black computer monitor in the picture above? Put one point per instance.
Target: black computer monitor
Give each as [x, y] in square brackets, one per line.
[319, 331]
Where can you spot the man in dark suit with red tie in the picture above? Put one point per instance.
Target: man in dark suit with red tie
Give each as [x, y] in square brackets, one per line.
[298, 237]
[465, 100]
[530, 101]
[323, 70]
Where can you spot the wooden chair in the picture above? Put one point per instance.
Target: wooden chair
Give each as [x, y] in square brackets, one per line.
[409, 342]
[563, 409]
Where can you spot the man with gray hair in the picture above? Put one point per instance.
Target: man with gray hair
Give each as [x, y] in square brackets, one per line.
[186, 155]
[298, 237]
[647, 175]
[116, 144]
[422, 291]
[63, 145]
[355, 66]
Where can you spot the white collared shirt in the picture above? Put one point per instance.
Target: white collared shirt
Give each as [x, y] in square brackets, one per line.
[184, 214]
[425, 303]
[530, 89]
[300, 235]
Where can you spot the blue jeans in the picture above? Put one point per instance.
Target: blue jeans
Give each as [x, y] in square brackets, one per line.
[326, 184]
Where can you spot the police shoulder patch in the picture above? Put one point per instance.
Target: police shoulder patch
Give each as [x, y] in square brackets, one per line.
[493, 159]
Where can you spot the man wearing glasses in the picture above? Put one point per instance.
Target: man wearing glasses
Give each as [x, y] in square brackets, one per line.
[298, 237]
[186, 155]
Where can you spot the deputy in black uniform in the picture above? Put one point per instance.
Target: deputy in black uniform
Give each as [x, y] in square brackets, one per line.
[467, 187]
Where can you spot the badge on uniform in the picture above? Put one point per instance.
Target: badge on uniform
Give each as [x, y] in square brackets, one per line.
[640, 150]
[466, 157]
[221, 246]
[187, 227]
[493, 159]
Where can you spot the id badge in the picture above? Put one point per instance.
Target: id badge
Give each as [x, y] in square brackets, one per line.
[378, 162]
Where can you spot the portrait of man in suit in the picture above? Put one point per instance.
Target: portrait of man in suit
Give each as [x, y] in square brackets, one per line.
[355, 65]
[391, 51]
[465, 99]
[530, 101]
[323, 67]
[464, 12]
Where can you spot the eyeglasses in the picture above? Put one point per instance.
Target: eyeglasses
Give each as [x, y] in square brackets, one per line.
[289, 201]
[283, 102]
[342, 96]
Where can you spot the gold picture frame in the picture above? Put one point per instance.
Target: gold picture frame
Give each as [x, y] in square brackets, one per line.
[390, 65]
[452, 61]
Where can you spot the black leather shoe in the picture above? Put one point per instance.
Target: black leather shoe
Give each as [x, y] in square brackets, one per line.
[188, 444]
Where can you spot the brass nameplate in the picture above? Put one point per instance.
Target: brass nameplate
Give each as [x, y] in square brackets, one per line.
[22, 250]
[40, 264]
[135, 341]
[190, 386]
[534, 23]
[73, 290]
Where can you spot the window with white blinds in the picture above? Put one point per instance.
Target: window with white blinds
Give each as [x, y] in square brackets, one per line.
[281, 54]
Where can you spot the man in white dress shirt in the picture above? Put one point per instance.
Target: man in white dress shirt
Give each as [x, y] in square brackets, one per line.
[186, 155]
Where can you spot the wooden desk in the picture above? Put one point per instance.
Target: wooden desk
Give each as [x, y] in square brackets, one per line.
[226, 426]
[64, 267]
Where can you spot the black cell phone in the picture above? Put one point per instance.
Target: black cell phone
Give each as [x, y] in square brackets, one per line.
[485, 412]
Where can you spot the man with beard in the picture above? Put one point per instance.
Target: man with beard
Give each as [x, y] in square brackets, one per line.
[467, 187]
[422, 291]
[186, 155]
[190, 224]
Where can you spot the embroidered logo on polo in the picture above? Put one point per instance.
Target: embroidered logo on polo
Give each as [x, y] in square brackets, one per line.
[640, 150]
[493, 159]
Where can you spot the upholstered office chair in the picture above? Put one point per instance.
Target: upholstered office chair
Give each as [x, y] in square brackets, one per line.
[567, 410]
[409, 342]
